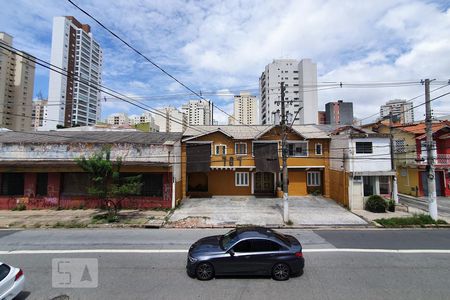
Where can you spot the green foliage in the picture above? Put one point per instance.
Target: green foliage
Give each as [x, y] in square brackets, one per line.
[417, 219]
[107, 182]
[376, 204]
[20, 207]
[391, 205]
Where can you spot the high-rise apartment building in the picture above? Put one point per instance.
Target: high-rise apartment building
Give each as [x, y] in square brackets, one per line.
[339, 113]
[401, 109]
[245, 110]
[300, 80]
[74, 99]
[170, 119]
[198, 112]
[16, 87]
[39, 113]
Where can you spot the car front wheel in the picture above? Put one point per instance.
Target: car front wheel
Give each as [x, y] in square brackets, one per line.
[280, 272]
[205, 271]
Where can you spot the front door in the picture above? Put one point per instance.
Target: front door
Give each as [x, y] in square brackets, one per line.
[264, 183]
[439, 183]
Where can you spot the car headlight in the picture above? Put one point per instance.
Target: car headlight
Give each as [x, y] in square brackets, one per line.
[192, 259]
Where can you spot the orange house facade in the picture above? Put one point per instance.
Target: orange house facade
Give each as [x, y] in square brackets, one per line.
[243, 160]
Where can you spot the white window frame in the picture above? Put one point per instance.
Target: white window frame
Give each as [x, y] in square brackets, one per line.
[220, 145]
[240, 143]
[299, 142]
[315, 177]
[239, 179]
[321, 149]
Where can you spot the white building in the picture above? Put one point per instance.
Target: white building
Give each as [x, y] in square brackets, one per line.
[117, 119]
[401, 109]
[146, 118]
[39, 113]
[363, 157]
[72, 100]
[245, 110]
[16, 87]
[300, 80]
[170, 119]
[198, 112]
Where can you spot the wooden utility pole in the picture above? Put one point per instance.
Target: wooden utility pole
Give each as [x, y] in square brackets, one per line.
[431, 151]
[284, 153]
[394, 192]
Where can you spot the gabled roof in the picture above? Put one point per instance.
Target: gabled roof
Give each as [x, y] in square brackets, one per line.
[251, 132]
[420, 128]
[91, 137]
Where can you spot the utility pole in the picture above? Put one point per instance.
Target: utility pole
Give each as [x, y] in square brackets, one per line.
[284, 153]
[394, 192]
[432, 204]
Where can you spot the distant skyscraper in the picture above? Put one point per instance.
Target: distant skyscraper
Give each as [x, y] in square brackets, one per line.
[322, 117]
[244, 110]
[198, 112]
[300, 80]
[39, 113]
[72, 100]
[401, 109]
[16, 87]
[170, 119]
[339, 113]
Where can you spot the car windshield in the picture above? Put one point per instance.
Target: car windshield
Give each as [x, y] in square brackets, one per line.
[227, 239]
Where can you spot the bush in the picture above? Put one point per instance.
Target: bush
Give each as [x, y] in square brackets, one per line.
[415, 220]
[20, 207]
[391, 205]
[376, 204]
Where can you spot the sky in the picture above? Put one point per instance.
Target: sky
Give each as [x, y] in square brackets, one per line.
[220, 48]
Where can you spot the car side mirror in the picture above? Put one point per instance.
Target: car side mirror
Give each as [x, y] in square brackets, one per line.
[231, 252]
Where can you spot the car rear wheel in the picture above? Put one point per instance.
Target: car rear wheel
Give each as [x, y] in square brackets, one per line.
[204, 271]
[280, 272]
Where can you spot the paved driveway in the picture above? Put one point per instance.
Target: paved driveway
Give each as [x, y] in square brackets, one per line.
[231, 211]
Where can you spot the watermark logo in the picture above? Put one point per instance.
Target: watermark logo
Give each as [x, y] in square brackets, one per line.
[74, 272]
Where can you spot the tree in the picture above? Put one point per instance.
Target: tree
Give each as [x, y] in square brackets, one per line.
[107, 183]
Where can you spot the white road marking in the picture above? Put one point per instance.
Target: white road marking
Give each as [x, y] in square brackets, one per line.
[167, 251]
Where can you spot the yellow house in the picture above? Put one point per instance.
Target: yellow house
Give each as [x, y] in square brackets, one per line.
[243, 160]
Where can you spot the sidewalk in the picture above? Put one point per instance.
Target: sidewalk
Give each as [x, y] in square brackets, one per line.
[422, 204]
[79, 218]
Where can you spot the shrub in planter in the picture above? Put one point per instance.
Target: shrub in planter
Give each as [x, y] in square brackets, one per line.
[376, 204]
[391, 205]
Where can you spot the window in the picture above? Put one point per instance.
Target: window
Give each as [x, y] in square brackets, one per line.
[75, 184]
[152, 185]
[399, 146]
[240, 148]
[363, 147]
[298, 149]
[4, 271]
[384, 185]
[41, 184]
[241, 178]
[313, 178]
[318, 149]
[221, 150]
[265, 246]
[12, 184]
[244, 246]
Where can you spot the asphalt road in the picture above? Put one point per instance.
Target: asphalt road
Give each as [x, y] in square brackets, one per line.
[381, 273]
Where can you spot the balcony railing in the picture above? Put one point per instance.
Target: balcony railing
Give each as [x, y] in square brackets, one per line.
[441, 159]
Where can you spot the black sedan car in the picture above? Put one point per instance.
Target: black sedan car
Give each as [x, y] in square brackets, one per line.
[246, 251]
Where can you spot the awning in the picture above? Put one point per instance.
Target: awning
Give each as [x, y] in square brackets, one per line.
[198, 157]
[266, 157]
[374, 173]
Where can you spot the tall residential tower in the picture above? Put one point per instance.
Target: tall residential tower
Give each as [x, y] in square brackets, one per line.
[401, 109]
[245, 110]
[16, 87]
[300, 80]
[74, 99]
[198, 112]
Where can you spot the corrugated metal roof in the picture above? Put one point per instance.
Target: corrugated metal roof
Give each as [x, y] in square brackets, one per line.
[314, 131]
[98, 137]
